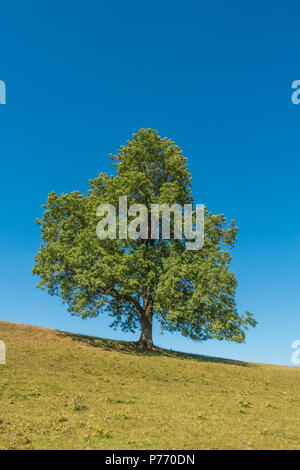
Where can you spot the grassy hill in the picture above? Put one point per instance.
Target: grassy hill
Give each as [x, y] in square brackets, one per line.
[67, 391]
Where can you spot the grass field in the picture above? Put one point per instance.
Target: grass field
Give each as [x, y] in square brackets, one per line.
[67, 391]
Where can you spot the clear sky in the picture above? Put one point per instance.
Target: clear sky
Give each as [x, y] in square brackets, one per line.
[215, 77]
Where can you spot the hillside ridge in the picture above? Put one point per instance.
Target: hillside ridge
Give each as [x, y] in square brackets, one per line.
[60, 390]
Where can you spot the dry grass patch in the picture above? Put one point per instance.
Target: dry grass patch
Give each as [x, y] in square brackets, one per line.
[64, 391]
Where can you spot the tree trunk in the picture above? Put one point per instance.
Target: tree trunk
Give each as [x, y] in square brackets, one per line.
[145, 340]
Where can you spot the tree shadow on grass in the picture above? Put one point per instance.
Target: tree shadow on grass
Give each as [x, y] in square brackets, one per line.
[127, 347]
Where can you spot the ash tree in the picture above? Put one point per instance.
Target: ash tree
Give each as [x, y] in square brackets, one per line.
[186, 291]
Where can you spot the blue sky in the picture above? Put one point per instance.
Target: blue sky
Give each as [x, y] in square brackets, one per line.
[215, 77]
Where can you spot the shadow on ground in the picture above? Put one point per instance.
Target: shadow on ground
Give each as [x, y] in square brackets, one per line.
[127, 347]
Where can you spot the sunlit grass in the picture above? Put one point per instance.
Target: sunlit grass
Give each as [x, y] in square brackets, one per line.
[63, 391]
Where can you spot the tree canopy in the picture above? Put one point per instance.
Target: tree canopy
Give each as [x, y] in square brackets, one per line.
[192, 292]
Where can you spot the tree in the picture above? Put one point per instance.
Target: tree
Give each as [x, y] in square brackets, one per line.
[192, 292]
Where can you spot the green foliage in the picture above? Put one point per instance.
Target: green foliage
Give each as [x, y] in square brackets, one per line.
[190, 291]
